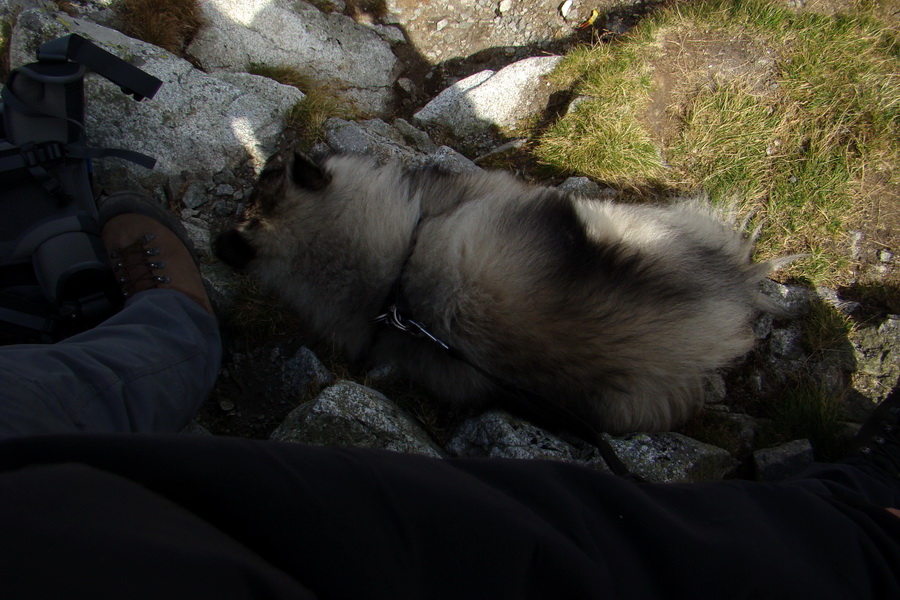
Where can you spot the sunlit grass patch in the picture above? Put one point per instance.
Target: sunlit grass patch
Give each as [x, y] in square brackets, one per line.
[613, 147]
[602, 136]
[791, 129]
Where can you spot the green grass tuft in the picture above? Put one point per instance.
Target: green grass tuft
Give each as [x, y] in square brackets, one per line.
[807, 412]
[307, 117]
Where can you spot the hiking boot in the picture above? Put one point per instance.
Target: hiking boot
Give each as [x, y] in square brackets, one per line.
[149, 248]
[878, 440]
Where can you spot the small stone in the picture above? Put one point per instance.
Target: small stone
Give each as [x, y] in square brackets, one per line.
[762, 326]
[714, 389]
[226, 405]
[442, 24]
[856, 240]
[223, 208]
[787, 343]
[304, 373]
[194, 196]
[781, 462]
[407, 86]
[417, 137]
[223, 176]
[573, 105]
[581, 186]
[392, 35]
[504, 6]
[792, 299]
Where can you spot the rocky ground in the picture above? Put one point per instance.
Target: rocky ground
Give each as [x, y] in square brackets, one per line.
[213, 126]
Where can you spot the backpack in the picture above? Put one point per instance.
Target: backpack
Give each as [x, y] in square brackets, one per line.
[55, 277]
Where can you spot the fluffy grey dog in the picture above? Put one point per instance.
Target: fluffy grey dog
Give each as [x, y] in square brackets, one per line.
[615, 312]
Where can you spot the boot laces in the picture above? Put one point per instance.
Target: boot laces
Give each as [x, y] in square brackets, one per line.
[134, 266]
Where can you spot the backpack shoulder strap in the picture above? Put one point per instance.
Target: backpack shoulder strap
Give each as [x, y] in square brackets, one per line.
[73, 47]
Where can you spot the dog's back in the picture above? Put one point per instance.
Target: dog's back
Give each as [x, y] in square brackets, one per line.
[618, 311]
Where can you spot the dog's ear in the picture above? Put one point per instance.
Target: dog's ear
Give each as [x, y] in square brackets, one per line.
[306, 174]
[233, 249]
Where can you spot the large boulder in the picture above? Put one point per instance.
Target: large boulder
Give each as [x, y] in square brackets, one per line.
[490, 99]
[198, 124]
[330, 49]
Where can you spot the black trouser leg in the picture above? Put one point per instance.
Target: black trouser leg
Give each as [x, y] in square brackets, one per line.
[366, 524]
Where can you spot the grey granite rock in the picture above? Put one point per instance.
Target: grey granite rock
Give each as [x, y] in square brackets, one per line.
[672, 458]
[877, 352]
[491, 99]
[783, 461]
[198, 124]
[329, 48]
[349, 414]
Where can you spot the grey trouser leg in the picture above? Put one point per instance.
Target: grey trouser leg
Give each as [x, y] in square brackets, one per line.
[146, 369]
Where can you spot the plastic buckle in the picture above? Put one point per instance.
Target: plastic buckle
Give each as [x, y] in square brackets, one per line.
[29, 155]
[34, 155]
[51, 151]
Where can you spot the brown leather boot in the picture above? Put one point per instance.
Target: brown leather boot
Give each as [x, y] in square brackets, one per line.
[149, 248]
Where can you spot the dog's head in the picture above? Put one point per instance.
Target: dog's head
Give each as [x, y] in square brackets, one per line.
[328, 239]
[283, 184]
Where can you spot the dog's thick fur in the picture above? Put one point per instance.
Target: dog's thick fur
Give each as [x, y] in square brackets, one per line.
[618, 312]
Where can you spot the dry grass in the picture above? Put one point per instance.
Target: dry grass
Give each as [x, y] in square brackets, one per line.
[169, 24]
[6, 27]
[256, 316]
